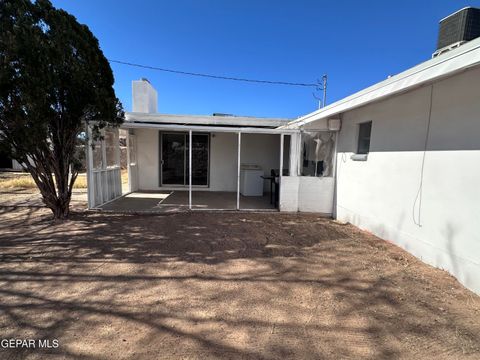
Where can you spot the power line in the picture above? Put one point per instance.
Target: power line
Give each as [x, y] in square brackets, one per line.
[215, 76]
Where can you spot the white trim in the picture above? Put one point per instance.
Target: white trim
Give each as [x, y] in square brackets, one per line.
[106, 169]
[294, 154]
[359, 157]
[238, 168]
[334, 175]
[190, 146]
[240, 121]
[186, 128]
[90, 182]
[104, 164]
[118, 161]
[280, 171]
[129, 171]
[450, 63]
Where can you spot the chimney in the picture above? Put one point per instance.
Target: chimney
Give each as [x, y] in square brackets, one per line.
[144, 97]
[458, 28]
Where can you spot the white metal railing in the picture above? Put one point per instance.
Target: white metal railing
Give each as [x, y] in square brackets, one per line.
[104, 184]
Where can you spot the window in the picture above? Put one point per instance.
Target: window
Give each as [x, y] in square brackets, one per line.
[132, 148]
[111, 146]
[174, 161]
[364, 138]
[97, 155]
[317, 153]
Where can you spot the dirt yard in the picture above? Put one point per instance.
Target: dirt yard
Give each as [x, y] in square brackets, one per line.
[222, 285]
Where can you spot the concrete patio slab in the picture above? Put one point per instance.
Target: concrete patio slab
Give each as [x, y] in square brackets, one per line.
[177, 200]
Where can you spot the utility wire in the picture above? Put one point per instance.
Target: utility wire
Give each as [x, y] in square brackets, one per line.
[215, 76]
[418, 198]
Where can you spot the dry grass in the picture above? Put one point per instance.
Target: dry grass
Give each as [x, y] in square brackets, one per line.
[25, 181]
[124, 176]
[81, 182]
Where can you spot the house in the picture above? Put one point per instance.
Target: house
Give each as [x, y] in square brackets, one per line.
[400, 159]
[7, 163]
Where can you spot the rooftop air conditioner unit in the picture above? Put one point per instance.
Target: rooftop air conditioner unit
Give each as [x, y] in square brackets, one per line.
[457, 29]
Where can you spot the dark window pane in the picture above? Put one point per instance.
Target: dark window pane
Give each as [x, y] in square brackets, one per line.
[199, 159]
[175, 162]
[173, 159]
[364, 138]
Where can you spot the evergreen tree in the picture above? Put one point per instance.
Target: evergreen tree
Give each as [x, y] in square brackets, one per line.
[54, 79]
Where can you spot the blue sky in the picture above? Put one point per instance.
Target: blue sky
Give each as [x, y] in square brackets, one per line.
[357, 43]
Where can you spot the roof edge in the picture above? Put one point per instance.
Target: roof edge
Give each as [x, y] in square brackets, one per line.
[204, 119]
[454, 61]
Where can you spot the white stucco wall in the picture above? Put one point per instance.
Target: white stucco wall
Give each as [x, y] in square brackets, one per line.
[307, 194]
[289, 193]
[16, 165]
[439, 222]
[223, 161]
[259, 149]
[147, 159]
[263, 150]
[315, 194]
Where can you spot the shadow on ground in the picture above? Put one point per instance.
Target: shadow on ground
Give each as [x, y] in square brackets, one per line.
[223, 285]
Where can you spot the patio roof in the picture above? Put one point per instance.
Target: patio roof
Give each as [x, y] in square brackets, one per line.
[205, 120]
[206, 128]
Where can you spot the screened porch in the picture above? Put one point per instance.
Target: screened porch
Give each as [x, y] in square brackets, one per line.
[180, 168]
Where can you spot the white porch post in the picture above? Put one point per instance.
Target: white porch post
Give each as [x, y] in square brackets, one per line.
[90, 181]
[129, 171]
[334, 174]
[238, 169]
[282, 138]
[118, 172]
[294, 154]
[190, 145]
[104, 174]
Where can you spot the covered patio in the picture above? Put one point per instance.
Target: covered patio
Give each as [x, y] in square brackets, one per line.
[225, 168]
[289, 170]
[178, 167]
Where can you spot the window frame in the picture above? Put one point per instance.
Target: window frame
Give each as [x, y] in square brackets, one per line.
[360, 138]
[186, 155]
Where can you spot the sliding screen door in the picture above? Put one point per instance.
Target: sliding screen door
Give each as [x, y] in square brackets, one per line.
[199, 159]
[174, 159]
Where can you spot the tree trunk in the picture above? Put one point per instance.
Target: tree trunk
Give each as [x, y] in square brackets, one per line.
[62, 210]
[60, 205]
[63, 195]
[56, 198]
